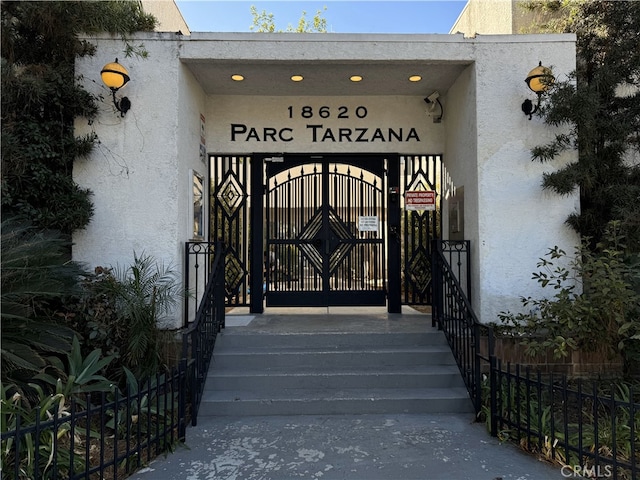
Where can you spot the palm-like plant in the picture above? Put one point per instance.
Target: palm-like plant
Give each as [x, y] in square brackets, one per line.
[144, 292]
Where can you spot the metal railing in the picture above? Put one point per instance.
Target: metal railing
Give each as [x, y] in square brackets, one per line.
[94, 435]
[198, 265]
[111, 434]
[589, 427]
[199, 339]
[452, 312]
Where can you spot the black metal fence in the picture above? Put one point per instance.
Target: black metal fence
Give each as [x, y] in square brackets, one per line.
[95, 435]
[199, 339]
[104, 435]
[452, 312]
[589, 427]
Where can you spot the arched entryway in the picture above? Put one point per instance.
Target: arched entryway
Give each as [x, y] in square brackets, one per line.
[316, 230]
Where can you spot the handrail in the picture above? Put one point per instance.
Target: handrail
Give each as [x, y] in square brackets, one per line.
[199, 339]
[198, 265]
[452, 313]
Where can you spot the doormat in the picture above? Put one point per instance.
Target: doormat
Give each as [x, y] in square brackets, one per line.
[238, 320]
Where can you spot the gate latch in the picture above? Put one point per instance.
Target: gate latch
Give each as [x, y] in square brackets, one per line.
[393, 194]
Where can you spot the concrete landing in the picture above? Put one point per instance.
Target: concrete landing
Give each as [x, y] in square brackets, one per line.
[346, 447]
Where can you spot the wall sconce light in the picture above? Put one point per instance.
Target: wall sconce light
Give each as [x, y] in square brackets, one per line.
[433, 101]
[115, 76]
[538, 80]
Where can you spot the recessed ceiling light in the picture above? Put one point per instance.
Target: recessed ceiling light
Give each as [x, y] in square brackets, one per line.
[415, 78]
[355, 78]
[297, 78]
[237, 77]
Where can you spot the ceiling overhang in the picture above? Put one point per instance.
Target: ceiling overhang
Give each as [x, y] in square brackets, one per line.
[323, 78]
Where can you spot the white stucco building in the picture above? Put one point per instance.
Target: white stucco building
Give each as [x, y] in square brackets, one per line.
[188, 114]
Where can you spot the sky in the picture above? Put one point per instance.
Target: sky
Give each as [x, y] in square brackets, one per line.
[356, 16]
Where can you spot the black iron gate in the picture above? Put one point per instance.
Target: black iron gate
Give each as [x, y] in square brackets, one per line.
[324, 252]
[325, 231]
[420, 227]
[230, 193]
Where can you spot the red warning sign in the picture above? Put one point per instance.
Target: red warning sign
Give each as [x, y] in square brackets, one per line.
[420, 200]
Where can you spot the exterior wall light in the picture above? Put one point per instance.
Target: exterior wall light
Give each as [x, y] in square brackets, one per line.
[538, 80]
[115, 76]
[433, 101]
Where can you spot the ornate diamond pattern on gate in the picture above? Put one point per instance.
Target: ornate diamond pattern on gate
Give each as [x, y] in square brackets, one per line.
[231, 194]
[419, 271]
[421, 173]
[235, 274]
[342, 232]
[308, 234]
[229, 181]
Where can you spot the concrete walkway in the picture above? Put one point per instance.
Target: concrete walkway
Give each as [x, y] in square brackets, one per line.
[349, 447]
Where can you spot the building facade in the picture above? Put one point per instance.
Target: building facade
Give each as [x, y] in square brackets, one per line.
[318, 102]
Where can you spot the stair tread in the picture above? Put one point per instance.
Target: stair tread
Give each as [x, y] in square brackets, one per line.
[295, 370]
[306, 394]
[288, 374]
[270, 350]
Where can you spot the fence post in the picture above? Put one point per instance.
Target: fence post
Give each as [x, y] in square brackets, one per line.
[436, 276]
[219, 295]
[493, 395]
[185, 282]
[477, 401]
[182, 399]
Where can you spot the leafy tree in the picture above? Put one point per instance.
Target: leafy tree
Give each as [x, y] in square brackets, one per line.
[600, 104]
[41, 97]
[264, 22]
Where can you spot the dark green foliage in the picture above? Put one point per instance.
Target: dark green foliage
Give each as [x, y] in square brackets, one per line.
[602, 122]
[41, 98]
[595, 305]
[119, 310]
[35, 279]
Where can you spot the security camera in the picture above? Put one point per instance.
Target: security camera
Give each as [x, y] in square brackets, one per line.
[432, 98]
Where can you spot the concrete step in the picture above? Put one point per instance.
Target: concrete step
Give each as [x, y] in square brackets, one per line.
[226, 339]
[371, 377]
[359, 356]
[333, 402]
[332, 373]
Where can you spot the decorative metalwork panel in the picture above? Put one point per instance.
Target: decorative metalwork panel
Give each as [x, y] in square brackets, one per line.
[419, 227]
[325, 235]
[229, 200]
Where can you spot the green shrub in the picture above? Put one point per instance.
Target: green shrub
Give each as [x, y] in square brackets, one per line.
[595, 307]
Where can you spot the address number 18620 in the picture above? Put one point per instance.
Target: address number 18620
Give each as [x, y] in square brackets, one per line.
[327, 112]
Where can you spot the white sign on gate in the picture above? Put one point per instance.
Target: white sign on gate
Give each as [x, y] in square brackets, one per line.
[368, 223]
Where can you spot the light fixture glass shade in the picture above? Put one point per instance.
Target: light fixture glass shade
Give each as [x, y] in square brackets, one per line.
[114, 75]
[355, 78]
[297, 78]
[539, 79]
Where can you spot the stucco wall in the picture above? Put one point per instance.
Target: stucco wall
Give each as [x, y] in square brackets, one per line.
[140, 171]
[461, 166]
[517, 220]
[485, 17]
[492, 17]
[237, 124]
[167, 14]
